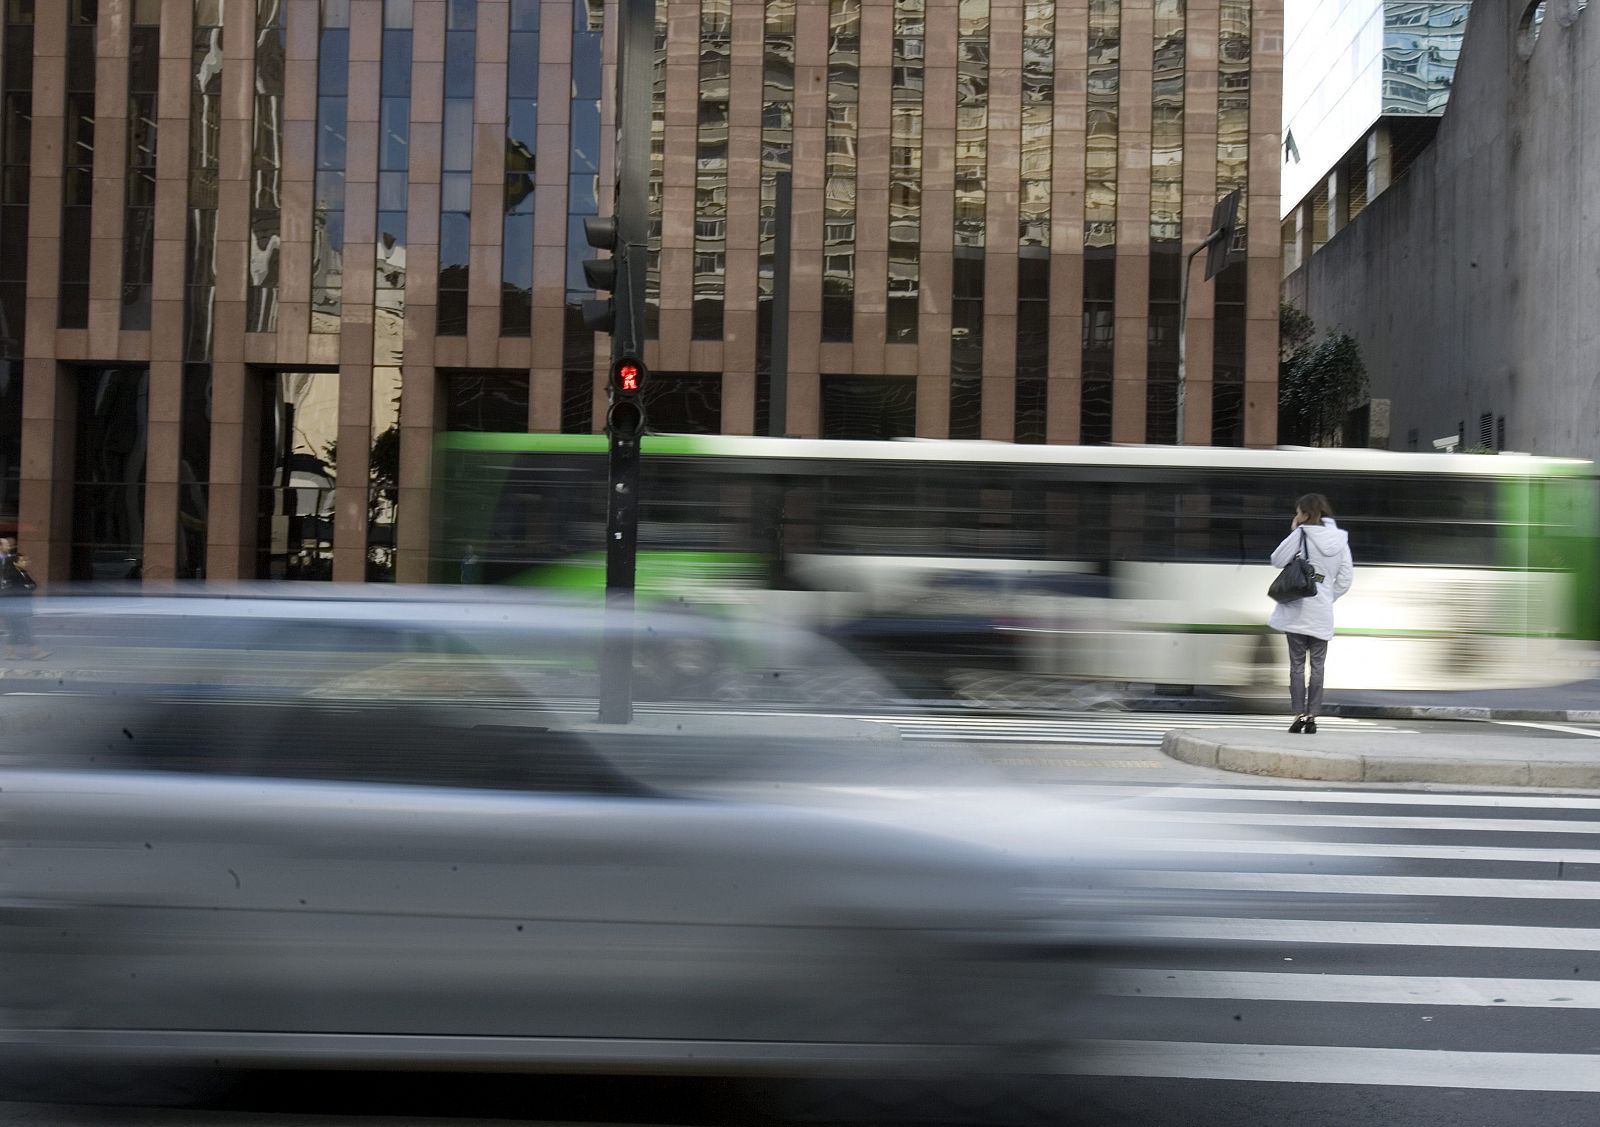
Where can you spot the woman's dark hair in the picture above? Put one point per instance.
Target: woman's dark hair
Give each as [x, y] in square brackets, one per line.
[1315, 506]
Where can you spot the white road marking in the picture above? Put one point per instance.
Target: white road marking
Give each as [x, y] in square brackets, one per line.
[1378, 822]
[1369, 933]
[1344, 884]
[1315, 796]
[1342, 1064]
[1568, 729]
[1376, 849]
[1377, 989]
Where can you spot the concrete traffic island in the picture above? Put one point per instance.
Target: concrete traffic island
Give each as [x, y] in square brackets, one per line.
[1478, 759]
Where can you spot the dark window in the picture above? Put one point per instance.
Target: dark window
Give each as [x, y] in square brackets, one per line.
[865, 407]
[108, 486]
[486, 401]
[1099, 336]
[683, 403]
[10, 443]
[577, 401]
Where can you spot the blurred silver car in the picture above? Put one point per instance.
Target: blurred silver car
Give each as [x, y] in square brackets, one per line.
[349, 828]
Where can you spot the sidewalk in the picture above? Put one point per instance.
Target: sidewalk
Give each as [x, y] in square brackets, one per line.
[1479, 758]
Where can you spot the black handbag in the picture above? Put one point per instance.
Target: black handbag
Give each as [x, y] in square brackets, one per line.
[1297, 580]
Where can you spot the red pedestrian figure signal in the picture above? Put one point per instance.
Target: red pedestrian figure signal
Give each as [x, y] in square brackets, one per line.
[628, 377]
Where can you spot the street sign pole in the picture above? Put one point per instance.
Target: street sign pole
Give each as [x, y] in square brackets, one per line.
[625, 422]
[1219, 244]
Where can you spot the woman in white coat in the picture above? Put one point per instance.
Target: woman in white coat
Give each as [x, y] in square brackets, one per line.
[1308, 622]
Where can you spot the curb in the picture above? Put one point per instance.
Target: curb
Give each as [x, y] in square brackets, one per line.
[1371, 711]
[1230, 751]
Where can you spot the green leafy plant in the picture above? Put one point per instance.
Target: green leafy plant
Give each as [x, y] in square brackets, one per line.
[1319, 380]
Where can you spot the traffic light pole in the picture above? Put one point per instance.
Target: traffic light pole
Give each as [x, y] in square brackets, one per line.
[1183, 331]
[624, 423]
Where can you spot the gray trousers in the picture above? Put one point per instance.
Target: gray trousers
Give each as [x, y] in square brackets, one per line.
[1307, 701]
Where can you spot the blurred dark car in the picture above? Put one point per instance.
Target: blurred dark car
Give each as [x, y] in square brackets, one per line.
[344, 828]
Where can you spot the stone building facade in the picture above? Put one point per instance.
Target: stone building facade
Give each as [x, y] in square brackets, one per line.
[255, 254]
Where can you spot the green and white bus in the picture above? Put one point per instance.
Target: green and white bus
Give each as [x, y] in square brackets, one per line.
[1106, 563]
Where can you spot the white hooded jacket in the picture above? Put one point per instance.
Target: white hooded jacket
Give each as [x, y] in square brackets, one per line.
[1328, 548]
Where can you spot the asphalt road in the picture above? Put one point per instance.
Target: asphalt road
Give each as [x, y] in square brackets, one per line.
[1414, 957]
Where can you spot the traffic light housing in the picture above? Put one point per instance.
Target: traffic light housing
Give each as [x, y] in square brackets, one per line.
[600, 313]
[626, 417]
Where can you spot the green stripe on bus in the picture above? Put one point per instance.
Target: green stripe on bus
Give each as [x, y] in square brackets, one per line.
[503, 442]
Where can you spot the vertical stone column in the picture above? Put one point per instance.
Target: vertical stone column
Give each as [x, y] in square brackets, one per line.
[110, 178]
[876, 103]
[1202, 24]
[356, 310]
[1064, 398]
[1305, 233]
[999, 421]
[48, 406]
[1380, 161]
[1338, 201]
[938, 218]
[235, 398]
[163, 459]
[744, 220]
[421, 401]
[1130, 362]
[810, 176]
[1263, 245]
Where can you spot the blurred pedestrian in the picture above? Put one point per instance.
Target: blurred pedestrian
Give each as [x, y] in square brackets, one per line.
[471, 567]
[1308, 622]
[16, 604]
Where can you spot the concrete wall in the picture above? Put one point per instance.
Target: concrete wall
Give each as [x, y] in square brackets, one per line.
[1473, 284]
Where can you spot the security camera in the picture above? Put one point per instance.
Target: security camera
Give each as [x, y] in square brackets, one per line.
[1447, 443]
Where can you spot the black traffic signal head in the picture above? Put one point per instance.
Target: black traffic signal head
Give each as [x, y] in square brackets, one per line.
[600, 231]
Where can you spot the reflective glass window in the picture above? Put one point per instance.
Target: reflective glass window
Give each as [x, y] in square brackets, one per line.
[327, 220]
[266, 190]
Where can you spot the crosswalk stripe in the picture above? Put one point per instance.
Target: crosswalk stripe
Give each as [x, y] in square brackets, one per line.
[1346, 884]
[1379, 849]
[1377, 989]
[1315, 796]
[1376, 822]
[1370, 933]
[1342, 1064]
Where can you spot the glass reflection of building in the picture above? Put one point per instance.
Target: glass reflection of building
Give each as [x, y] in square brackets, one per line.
[455, 184]
[139, 206]
[522, 130]
[327, 220]
[907, 85]
[971, 218]
[1033, 220]
[77, 180]
[1421, 46]
[1233, 173]
[299, 441]
[389, 290]
[1103, 83]
[583, 201]
[777, 159]
[266, 187]
[711, 169]
[839, 190]
[1166, 220]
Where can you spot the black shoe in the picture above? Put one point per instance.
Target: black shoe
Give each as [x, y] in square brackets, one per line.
[1299, 725]
[1311, 725]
